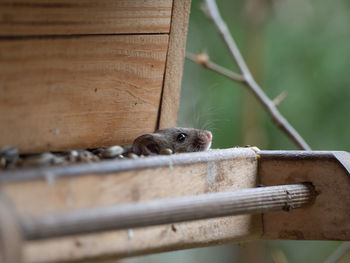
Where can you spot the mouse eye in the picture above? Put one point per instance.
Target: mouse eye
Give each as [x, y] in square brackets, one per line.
[181, 137]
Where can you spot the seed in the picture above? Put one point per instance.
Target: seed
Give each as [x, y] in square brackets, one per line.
[41, 159]
[10, 154]
[132, 156]
[2, 162]
[58, 160]
[72, 156]
[85, 156]
[95, 158]
[112, 151]
[166, 151]
[127, 149]
[98, 151]
[73, 153]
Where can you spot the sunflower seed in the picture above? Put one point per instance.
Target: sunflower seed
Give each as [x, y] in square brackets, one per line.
[112, 151]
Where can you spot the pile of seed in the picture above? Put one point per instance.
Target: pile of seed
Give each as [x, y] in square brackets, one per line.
[11, 158]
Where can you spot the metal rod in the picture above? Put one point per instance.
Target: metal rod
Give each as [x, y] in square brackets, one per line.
[165, 211]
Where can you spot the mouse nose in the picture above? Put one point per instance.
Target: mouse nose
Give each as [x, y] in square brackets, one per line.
[209, 135]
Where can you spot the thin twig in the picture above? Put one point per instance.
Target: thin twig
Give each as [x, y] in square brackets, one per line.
[204, 60]
[338, 253]
[249, 81]
[236, 77]
[276, 101]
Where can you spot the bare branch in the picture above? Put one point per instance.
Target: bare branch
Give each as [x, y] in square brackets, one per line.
[203, 59]
[280, 98]
[338, 253]
[249, 81]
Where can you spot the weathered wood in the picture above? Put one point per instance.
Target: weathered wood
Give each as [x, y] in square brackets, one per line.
[174, 66]
[65, 17]
[10, 233]
[170, 210]
[155, 178]
[328, 217]
[79, 92]
[63, 189]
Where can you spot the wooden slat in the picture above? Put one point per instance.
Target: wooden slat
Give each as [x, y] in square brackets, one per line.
[66, 17]
[79, 92]
[328, 217]
[174, 66]
[160, 177]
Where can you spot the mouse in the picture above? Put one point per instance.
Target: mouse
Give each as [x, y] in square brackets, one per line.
[177, 139]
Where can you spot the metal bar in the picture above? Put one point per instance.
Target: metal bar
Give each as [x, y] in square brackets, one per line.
[165, 211]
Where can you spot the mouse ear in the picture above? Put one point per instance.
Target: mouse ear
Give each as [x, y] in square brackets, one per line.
[146, 144]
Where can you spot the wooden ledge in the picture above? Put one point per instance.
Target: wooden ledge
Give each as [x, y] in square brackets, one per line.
[48, 190]
[58, 189]
[116, 166]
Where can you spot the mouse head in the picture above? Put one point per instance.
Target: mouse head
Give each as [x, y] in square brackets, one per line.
[177, 139]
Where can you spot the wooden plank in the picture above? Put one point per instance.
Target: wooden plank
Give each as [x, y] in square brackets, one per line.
[66, 17]
[328, 217]
[175, 62]
[79, 92]
[155, 178]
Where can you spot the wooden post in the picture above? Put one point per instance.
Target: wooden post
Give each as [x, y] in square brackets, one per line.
[174, 65]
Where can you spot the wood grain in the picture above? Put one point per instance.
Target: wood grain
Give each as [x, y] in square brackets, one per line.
[79, 92]
[328, 217]
[168, 211]
[65, 17]
[174, 66]
[214, 171]
[11, 238]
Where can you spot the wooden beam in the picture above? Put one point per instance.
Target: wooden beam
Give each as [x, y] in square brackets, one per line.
[42, 191]
[174, 65]
[328, 217]
[79, 92]
[65, 17]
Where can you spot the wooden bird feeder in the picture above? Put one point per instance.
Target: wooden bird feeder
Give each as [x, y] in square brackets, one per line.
[87, 74]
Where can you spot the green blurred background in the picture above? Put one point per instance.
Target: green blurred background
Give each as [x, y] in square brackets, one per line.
[301, 47]
[298, 46]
